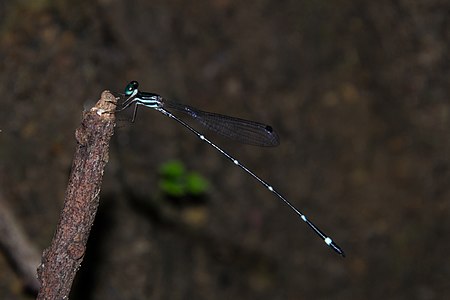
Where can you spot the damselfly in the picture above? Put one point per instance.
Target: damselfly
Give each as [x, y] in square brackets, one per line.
[241, 130]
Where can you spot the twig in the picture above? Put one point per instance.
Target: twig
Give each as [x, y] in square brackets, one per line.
[22, 254]
[62, 259]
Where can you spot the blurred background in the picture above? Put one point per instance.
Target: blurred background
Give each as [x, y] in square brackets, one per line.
[358, 92]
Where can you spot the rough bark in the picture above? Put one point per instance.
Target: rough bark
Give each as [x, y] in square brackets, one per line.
[62, 259]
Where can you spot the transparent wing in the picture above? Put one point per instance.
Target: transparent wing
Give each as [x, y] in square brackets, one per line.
[241, 130]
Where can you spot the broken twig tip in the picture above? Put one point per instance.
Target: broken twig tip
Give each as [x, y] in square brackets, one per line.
[106, 105]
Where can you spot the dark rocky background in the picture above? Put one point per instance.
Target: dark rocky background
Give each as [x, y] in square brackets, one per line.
[357, 90]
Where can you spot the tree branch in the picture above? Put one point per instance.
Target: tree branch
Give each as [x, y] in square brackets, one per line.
[62, 259]
[22, 254]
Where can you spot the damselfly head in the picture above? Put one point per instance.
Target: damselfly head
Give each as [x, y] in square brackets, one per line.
[132, 88]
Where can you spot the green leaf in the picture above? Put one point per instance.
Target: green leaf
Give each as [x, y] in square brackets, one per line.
[172, 169]
[172, 188]
[196, 184]
[176, 182]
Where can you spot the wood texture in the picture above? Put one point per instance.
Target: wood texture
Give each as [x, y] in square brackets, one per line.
[62, 259]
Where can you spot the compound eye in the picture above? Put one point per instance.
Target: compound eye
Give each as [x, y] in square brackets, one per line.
[131, 87]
